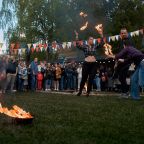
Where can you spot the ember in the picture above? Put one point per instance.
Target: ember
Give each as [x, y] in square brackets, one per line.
[84, 27]
[16, 112]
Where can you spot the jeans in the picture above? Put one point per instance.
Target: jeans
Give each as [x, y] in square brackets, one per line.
[33, 82]
[48, 83]
[137, 79]
[97, 82]
[20, 83]
[69, 81]
[74, 82]
[62, 83]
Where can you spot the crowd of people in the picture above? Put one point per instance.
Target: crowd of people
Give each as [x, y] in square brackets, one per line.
[38, 76]
[75, 76]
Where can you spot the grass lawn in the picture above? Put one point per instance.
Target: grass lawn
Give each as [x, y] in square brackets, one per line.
[67, 119]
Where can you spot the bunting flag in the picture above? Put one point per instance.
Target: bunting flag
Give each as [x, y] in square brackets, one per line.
[12, 45]
[23, 50]
[32, 50]
[29, 45]
[40, 46]
[69, 44]
[64, 45]
[37, 49]
[41, 49]
[34, 46]
[45, 45]
[113, 38]
[117, 37]
[19, 52]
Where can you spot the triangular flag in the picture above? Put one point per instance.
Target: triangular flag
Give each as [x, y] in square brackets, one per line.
[95, 41]
[12, 45]
[23, 50]
[45, 45]
[19, 51]
[40, 45]
[69, 44]
[29, 45]
[109, 39]
[64, 45]
[137, 33]
[34, 46]
[41, 49]
[113, 38]
[32, 49]
[117, 37]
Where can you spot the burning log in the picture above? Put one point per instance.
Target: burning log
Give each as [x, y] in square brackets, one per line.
[84, 27]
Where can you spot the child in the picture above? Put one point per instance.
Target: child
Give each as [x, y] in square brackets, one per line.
[39, 80]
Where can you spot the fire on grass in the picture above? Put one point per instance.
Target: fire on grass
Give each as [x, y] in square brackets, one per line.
[15, 112]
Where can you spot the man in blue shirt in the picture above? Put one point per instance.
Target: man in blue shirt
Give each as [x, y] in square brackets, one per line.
[34, 71]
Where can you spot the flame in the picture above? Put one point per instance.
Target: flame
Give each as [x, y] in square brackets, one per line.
[83, 14]
[99, 28]
[85, 86]
[84, 27]
[108, 49]
[16, 112]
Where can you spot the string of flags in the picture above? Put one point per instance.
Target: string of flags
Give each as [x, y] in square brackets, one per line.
[16, 48]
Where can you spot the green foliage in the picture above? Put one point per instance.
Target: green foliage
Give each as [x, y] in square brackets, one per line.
[44, 56]
[57, 19]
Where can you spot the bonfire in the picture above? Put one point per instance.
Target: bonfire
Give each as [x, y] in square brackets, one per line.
[15, 112]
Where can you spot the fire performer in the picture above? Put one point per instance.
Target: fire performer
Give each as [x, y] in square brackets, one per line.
[121, 69]
[138, 58]
[89, 65]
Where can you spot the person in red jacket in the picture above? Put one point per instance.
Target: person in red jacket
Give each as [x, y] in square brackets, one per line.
[39, 80]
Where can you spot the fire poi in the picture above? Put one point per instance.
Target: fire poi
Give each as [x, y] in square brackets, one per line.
[99, 28]
[84, 27]
[15, 112]
[108, 49]
[82, 14]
